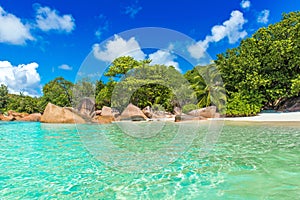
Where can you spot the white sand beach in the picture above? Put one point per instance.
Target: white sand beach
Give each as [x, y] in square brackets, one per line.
[269, 117]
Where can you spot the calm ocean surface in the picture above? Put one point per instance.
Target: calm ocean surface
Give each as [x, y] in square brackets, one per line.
[51, 161]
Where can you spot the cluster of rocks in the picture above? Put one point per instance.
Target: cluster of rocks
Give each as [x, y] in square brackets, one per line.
[199, 114]
[86, 113]
[133, 113]
[15, 116]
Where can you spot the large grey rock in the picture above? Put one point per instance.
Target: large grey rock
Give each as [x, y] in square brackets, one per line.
[86, 106]
[290, 105]
[294, 108]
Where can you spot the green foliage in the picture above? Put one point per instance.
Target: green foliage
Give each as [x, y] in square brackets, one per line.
[240, 106]
[103, 98]
[261, 73]
[18, 103]
[147, 85]
[3, 97]
[158, 107]
[264, 64]
[58, 92]
[21, 103]
[82, 89]
[99, 86]
[206, 82]
[153, 94]
[122, 65]
[295, 88]
[119, 67]
[189, 107]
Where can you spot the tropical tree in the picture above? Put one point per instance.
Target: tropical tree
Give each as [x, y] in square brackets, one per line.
[122, 65]
[99, 86]
[22, 103]
[260, 70]
[103, 97]
[296, 86]
[153, 94]
[3, 97]
[207, 86]
[58, 92]
[82, 89]
[147, 85]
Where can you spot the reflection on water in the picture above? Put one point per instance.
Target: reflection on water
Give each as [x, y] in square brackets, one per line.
[249, 161]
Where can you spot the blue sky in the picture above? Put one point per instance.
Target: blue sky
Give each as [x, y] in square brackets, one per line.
[40, 40]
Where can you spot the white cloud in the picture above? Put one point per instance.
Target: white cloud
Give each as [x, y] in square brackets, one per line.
[48, 20]
[104, 24]
[232, 29]
[245, 4]
[118, 47]
[65, 67]
[22, 78]
[263, 17]
[133, 9]
[164, 57]
[198, 50]
[12, 30]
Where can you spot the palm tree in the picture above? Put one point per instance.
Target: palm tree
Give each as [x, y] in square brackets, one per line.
[208, 87]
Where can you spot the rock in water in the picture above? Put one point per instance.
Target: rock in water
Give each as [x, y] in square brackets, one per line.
[6, 118]
[16, 115]
[132, 113]
[104, 119]
[56, 114]
[34, 117]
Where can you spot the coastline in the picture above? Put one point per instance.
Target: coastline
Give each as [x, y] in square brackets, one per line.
[268, 117]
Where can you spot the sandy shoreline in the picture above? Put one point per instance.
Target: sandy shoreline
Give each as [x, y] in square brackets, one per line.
[268, 117]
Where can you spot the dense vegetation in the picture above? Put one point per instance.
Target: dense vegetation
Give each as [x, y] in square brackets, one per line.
[263, 72]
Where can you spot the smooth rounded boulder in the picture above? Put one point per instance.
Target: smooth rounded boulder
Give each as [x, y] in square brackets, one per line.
[56, 114]
[208, 112]
[132, 113]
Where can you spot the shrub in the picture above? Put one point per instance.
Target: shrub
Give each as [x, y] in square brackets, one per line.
[189, 107]
[296, 86]
[239, 106]
[158, 107]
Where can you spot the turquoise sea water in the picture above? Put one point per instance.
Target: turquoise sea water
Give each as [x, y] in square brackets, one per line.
[51, 161]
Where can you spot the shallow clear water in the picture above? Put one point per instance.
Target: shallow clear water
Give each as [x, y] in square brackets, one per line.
[249, 161]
